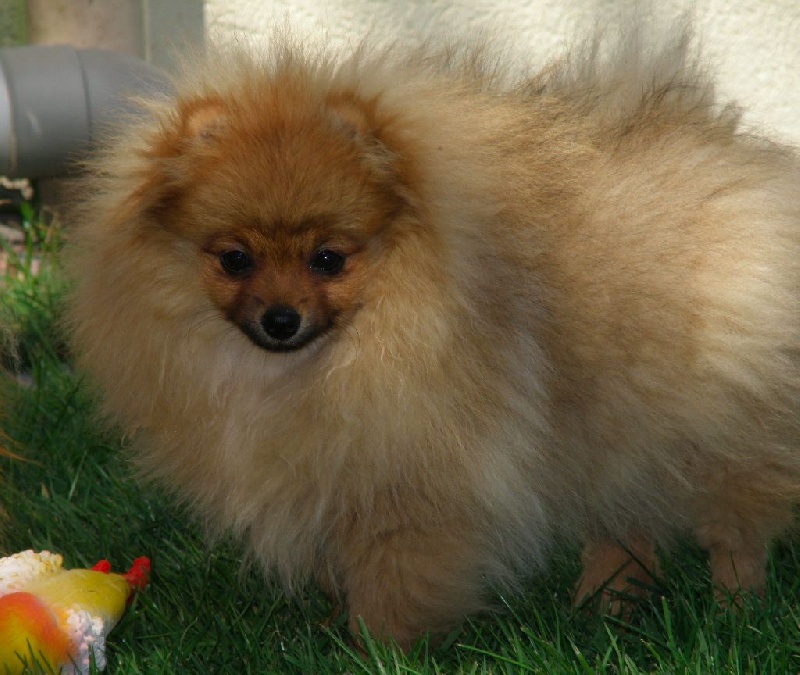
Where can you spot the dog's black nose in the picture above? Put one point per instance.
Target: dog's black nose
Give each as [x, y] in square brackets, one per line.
[281, 323]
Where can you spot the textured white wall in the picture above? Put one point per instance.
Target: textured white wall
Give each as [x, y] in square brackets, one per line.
[755, 44]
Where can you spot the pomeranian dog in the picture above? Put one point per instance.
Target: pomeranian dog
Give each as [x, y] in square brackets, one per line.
[401, 319]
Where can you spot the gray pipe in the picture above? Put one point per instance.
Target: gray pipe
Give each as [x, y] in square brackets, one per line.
[55, 100]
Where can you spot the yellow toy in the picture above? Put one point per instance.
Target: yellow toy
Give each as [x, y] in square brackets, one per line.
[60, 618]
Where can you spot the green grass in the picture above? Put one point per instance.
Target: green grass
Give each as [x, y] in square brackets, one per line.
[74, 494]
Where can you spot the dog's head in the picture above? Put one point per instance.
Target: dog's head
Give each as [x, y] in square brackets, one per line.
[287, 195]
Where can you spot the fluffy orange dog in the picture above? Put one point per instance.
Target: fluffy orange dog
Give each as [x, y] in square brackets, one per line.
[398, 320]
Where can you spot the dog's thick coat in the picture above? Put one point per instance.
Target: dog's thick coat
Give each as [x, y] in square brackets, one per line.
[570, 304]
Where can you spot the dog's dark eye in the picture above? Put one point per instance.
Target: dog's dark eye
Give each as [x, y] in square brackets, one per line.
[327, 262]
[236, 262]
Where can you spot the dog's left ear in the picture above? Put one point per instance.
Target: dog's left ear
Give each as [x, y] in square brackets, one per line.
[371, 131]
[354, 116]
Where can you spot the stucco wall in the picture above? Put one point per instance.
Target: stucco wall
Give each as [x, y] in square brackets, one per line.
[755, 44]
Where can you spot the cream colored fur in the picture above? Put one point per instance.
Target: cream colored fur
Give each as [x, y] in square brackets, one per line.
[582, 319]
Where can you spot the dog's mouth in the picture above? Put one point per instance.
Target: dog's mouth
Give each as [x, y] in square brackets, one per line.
[284, 331]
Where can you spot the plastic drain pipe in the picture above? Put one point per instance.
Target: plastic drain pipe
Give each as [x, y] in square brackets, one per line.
[55, 100]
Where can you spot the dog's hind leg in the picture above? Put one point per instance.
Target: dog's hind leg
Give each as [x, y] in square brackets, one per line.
[738, 515]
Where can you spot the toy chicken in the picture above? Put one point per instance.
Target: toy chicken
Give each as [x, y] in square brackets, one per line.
[60, 618]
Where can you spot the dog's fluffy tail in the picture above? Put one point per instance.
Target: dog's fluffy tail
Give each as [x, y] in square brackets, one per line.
[634, 71]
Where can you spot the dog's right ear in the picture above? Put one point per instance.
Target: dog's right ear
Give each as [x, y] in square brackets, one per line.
[202, 118]
[168, 154]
